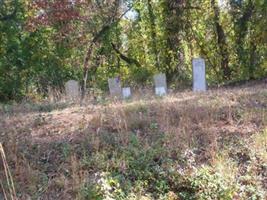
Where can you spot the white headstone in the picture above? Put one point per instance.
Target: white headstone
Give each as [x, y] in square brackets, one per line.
[126, 92]
[114, 86]
[199, 75]
[160, 91]
[160, 82]
[72, 89]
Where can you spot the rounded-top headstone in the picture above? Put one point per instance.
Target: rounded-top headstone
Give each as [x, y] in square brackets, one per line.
[72, 89]
[160, 84]
[114, 86]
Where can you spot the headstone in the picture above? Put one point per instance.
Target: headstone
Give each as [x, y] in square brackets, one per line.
[126, 92]
[114, 86]
[160, 91]
[72, 89]
[199, 75]
[160, 84]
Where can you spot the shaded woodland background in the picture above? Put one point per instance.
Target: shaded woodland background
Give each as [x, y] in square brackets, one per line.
[45, 43]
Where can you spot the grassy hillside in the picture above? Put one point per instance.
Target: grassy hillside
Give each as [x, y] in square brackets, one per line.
[183, 146]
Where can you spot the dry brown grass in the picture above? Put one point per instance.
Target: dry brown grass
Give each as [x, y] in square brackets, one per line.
[207, 121]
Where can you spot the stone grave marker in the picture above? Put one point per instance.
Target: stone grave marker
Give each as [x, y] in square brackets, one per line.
[72, 89]
[199, 75]
[160, 91]
[126, 92]
[160, 84]
[114, 86]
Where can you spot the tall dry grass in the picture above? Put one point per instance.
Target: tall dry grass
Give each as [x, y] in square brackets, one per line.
[205, 121]
[10, 192]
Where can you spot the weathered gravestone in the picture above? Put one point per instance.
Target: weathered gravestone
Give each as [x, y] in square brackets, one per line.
[126, 92]
[199, 75]
[114, 86]
[72, 89]
[160, 91]
[160, 84]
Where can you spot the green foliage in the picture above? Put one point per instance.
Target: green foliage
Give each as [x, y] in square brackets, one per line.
[31, 62]
[90, 192]
[144, 170]
[211, 185]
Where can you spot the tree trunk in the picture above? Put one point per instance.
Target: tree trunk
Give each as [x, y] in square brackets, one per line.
[252, 59]
[221, 40]
[85, 71]
[241, 28]
[153, 33]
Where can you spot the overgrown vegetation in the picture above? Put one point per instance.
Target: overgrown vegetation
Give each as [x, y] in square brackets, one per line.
[184, 146]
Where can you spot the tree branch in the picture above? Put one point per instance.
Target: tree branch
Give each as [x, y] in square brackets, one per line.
[125, 58]
[95, 39]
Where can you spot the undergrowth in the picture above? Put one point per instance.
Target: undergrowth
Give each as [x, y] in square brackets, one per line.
[194, 147]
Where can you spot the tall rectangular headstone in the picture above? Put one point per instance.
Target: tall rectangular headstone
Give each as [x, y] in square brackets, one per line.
[199, 75]
[160, 84]
[114, 86]
[72, 89]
